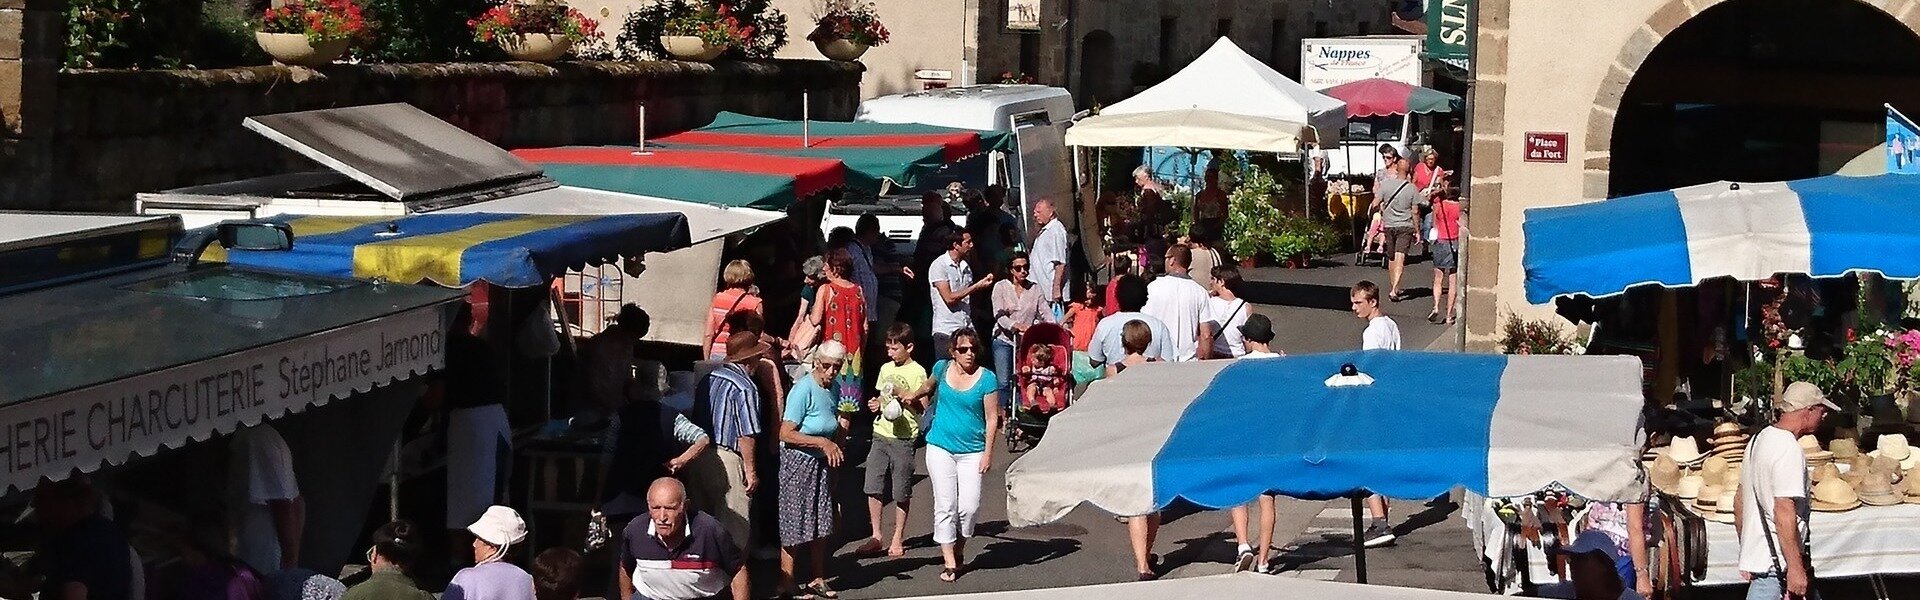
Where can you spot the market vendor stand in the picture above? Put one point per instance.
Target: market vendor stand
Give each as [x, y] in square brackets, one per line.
[120, 355]
[1400, 424]
[1790, 237]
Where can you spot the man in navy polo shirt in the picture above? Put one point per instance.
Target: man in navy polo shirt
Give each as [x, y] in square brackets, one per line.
[676, 554]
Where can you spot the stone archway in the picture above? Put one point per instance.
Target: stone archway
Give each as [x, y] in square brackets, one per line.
[1097, 71]
[1634, 54]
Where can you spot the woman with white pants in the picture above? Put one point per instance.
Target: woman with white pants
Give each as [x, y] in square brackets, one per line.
[965, 421]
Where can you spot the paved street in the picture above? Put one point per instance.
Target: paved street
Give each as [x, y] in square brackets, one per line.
[1308, 309]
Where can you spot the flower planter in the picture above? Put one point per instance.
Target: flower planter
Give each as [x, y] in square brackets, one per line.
[1248, 263]
[841, 50]
[687, 47]
[536, 47]
[295, 49]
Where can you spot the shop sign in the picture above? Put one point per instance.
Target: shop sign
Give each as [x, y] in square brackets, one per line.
[934, 74]
[111, 422]
[1449, 32]
[1023, 15]
[1546, 147]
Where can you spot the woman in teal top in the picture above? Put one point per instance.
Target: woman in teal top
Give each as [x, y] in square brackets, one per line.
[810, 445]
[964, 422]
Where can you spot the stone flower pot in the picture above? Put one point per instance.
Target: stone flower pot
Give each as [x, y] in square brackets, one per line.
[841, 50]
[536, 47]
[294, 49]
[687, 47]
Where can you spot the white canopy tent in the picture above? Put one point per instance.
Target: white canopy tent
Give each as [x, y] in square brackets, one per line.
[1225, 99]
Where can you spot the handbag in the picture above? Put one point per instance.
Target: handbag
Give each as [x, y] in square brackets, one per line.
[805, 332]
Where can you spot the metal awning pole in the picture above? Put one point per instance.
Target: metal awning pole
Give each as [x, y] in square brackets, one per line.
[1360, 539]
[393, 482]
[806, 119]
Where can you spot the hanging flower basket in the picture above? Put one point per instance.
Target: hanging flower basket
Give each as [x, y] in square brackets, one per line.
[844, 32]
[538, 31]
[310, 33]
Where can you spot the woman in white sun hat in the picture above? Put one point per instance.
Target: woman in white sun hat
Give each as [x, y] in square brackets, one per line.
[491, 577]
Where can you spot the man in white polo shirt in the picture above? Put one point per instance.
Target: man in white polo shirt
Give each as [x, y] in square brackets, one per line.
[1049, 272]
[1178, 302]
[950, 284]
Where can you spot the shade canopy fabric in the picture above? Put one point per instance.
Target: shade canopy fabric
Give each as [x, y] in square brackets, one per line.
[900, 152]
[1220, 433]
[1239, 586]
[1380, 96]
[1187, 128]
[1823, 227]
[714, 177]
[704, 222]
[1226, 80]
[511, 250]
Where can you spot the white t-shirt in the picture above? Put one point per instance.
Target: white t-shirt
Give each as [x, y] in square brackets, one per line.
[1776, 468]
[1182, 305]
[1382, 334]
[1049, 249]
[265, 467]
[950, 318]
[1227, 317]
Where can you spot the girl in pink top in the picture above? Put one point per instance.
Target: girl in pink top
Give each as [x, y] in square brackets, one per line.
[738, 296]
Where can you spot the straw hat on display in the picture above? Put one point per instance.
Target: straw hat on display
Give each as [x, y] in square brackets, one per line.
[1709, 495]
[1844, 448]
[1723, 509]
[1877, 490]
[1664, 473]
[1825, 472]
[1894, 445]
[1834, 495]
[1811, 446]
[1913, 488]
[1689, 487]
[1714, 469]
[1728, 440]
[1685, 451]
[1888, 467]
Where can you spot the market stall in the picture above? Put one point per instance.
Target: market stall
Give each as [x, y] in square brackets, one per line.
[1239, 586]
[119, 355]
[1224, 99]
[1727, 291]
[898, 152]
[1497, 425]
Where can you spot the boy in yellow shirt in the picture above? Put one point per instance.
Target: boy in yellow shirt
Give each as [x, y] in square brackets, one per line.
[895, 427]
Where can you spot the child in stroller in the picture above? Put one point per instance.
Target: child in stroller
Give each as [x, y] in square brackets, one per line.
[1041, 391]
[1043, 382]
[1373, 247]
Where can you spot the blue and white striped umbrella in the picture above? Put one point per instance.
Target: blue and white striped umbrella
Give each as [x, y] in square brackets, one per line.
[1219, 433]
[1824, 227]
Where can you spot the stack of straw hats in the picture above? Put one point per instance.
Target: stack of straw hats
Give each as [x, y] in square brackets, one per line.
[1816, 455]
[1729, 441]
[1877, 490]
[1685, 452]
[1894, 446]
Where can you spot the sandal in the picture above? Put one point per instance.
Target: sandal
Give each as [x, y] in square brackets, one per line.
[819, 589]
[1396, 296]
[1433, 317]
[949, 575]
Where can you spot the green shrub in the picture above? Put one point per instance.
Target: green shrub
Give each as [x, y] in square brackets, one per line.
[124, 34]
[639, 37]
[425, 31]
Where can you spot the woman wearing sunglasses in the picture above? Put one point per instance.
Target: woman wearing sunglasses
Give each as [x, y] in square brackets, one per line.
[964, 422]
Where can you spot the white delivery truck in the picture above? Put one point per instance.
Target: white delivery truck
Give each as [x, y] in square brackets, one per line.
[1041, 167]
[1329, 62]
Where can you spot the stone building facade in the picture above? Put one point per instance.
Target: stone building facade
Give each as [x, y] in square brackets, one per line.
[1662, 94]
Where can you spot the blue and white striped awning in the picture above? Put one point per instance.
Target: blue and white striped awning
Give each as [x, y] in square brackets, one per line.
[1219, 433]
[1824, 227]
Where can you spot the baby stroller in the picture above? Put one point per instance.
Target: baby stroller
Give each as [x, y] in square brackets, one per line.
[1373, 246]
[1030, 415]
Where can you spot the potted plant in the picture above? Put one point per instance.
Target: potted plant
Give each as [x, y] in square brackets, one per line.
[538, 31]
[1542, 336]
[310, 33]
[846, 31]
[700, 34]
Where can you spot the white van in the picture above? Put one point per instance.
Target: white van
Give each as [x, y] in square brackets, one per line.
[1038, 116]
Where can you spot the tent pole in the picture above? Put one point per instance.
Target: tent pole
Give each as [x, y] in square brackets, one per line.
[1359, 539]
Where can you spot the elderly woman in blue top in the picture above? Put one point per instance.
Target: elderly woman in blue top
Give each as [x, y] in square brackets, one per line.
[810, 429]
[965, 419]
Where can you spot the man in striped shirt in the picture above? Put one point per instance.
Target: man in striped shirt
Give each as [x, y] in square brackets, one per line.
[727, 405]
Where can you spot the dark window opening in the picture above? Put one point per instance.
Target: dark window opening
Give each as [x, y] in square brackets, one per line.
[1223, 28]
[1167, 25]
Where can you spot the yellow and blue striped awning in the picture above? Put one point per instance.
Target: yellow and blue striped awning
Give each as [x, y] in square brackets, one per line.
[512, 250]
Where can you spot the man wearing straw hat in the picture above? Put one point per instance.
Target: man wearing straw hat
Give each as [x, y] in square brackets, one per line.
[727, 406]
[1771, 518]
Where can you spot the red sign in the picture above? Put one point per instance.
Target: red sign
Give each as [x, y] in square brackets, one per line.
[1546, 147]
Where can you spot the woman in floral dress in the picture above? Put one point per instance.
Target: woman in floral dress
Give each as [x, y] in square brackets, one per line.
[841, 312]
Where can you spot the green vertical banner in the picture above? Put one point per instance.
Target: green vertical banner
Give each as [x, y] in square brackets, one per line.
[1449, 32]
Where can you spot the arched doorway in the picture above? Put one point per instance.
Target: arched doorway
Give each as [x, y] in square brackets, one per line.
[1762, 90]
[1097, 72]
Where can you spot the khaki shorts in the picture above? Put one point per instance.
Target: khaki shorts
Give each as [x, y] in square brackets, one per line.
[1401, 240]
[717, 484]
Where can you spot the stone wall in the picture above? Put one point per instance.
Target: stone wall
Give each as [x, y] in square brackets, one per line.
[116, 133]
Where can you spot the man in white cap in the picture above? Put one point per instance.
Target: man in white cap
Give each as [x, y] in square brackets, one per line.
[1593, 561]
[491, 577]
[1771, 506]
